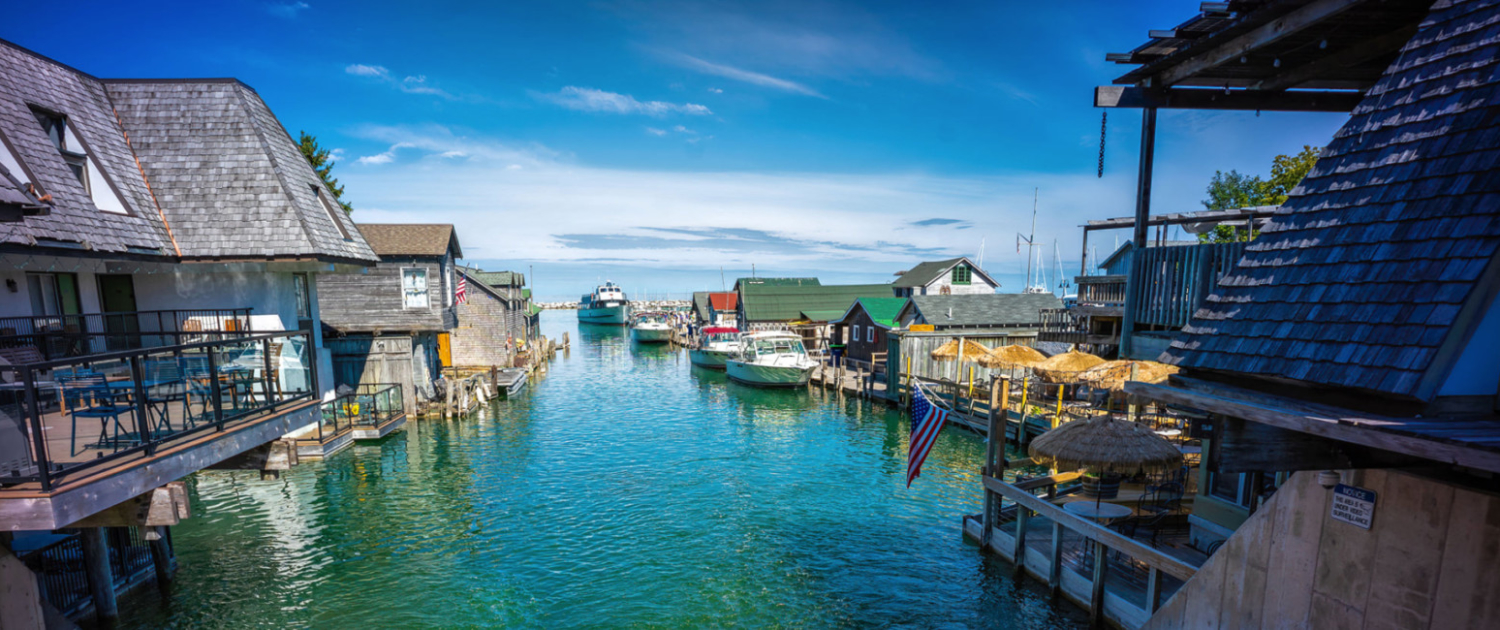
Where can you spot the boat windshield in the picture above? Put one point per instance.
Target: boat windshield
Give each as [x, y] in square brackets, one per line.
[779, 346]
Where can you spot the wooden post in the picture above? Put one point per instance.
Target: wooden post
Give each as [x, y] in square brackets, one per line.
[161, 556]
[1004, 412]
[96, 567]
[1054, 571]
[1022, 437]
[1057, 418]
[1023, 518]
[1130, 400]
[1142, 217]
[1153, 590]
[1096, 600]
[994, 458]
[906, 402]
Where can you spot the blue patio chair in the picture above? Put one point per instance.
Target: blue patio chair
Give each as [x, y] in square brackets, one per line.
[89, 397]
[165, 385]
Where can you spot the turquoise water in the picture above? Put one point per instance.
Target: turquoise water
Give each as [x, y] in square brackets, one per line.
[625, 489]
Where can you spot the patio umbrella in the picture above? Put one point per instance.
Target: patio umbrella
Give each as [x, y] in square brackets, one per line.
[1113, 375]
[1104, 444]
[1012, 357]
[949, 351]
[1065, 367]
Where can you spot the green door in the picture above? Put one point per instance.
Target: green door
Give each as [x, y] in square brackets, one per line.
[117, 301]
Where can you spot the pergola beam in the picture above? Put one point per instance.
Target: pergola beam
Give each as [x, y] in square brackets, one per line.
[1241, 100]
[1359, 53]
[1259, 37]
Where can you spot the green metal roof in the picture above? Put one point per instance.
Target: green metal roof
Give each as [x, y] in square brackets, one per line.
[779, 303]
[775, 282]
[498, 278]
[701, 306]
[822, 315]
[882, 310]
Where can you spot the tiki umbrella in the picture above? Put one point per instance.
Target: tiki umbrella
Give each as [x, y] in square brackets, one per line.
[1012, 357]
[1104, 444]
[972, 351]
[1113, 375]
[1065, 367]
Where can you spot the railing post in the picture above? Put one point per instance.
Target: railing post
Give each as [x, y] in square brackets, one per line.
[265, 375]
[215, 390]
[313, 364]
[1023, 519]
[1054, 570]
[38, 441]
[142, 405]
[1096, 599]
[1153, 590]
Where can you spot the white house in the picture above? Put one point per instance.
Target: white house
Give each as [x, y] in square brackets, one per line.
[955, 276]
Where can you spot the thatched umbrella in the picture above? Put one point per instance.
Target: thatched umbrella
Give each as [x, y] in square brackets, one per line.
[1012, 357]
[972, 351]
[1104, 444]
[1113, 375]
[1065, 367]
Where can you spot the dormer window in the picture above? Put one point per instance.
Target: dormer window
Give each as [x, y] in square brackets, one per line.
[328, 208]
[76, 155]
[962, 274]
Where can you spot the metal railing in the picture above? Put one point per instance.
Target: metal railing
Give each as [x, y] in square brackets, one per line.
[369, 405]
[58, 336]
[59, 567]
[63, 416]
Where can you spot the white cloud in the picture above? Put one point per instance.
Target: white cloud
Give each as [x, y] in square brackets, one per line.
[592, 100]
[682, 129]
[754, 78]
[415, 84]
[716, 90]
[453, 154]
[384, 157]
[656, 132]
[287, 10]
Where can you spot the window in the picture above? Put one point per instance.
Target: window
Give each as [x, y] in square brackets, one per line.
[1240, 488]
[870, 334]
[854, 337]
[962, 274]
[414, 288]
[53, 294]
[303, 295]
[328, 208]
[76, 155]
[12, 163]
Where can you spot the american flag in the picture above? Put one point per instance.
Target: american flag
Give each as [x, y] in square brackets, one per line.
[927, 422]
[461, 294]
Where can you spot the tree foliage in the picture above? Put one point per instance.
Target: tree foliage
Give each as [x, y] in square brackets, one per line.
[322, 162]
[1236, 190]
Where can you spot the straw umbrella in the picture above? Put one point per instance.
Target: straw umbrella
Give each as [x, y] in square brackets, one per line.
[1112, 375]
[970, 351]
[1065, 367]
[1012, 357]
[1104, 444]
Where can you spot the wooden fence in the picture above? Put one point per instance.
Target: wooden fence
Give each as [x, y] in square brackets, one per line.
[1173, 281]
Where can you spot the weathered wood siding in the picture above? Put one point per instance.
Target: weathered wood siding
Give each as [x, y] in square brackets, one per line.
[372, 302]
[484, 323]
[364, 360]
[858, 348]
[1426, 562]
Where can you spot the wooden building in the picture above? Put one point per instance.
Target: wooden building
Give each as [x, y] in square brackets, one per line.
[494, 322]
[864, 329]
[392, 324]
[955, 276]
[715, 308]
[163, 236]
[1000, 312]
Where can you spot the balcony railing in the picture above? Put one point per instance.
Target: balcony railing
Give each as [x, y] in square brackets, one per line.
[1101, 290]
[59, 336]
[370, 405]
[1174, 281]
[64, 416]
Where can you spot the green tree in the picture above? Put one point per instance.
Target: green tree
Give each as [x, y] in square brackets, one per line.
[1235, 190]
[322, 162]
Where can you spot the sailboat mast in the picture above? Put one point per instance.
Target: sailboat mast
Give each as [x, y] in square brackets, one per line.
[1031, 240]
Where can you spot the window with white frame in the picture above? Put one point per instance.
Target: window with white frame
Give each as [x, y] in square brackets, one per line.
[414, 287]
[854, 337]
[870, 334]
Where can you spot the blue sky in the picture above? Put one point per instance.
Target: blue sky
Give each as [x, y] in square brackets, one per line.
[655, 142]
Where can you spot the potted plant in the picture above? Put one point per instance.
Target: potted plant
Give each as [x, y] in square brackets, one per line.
[1104, 485]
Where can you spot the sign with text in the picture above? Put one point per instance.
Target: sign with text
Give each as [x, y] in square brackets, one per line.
[1355, 506]
[922, 328]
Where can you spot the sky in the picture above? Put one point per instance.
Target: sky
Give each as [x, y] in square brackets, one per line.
[674, 146]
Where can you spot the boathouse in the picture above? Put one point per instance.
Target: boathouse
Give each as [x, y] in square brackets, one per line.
[494, 321]
[863, 330]
[955, 276]
[392, 324]
[164, 241]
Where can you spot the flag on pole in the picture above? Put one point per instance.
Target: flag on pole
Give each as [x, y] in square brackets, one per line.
[461, 293]
[927, 420]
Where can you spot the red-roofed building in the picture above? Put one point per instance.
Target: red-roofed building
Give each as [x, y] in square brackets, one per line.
[715, 308]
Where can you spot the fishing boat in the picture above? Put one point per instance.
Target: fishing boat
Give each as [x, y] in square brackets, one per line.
[606, 305]
[770, 359]
[651, 327]
[715, 347]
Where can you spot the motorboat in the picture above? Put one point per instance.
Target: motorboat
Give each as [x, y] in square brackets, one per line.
[770, 359]
[651, 327]
[715, 346]
[606, 305]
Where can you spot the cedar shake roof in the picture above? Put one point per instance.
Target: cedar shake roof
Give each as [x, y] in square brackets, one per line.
[203, 158]
[1375, 271]
[411, 239]
[723, 301]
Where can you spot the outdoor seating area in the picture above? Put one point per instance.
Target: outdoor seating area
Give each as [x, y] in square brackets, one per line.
[60, 416]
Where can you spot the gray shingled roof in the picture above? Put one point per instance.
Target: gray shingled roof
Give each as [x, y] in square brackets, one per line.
[1361, 279]
[500, 278]
[924, 273]
[219, 170]
[999, 309]
[411, 239]
[15, 201]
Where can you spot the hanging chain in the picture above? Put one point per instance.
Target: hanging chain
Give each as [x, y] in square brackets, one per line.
[1103, 124]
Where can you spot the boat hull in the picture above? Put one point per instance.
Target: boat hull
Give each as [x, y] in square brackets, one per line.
[767, 375]
[608, 315]
[651, 335]
[711, 359]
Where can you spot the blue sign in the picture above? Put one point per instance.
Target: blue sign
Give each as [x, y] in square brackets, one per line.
[1355, 506]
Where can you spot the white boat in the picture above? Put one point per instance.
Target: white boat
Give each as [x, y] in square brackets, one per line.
[715, 346]
[652, 327]
[606, 305]
[770, 359]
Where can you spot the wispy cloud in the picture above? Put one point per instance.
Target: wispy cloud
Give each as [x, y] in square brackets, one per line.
[591, 100]
[938, 222]
[715, 90]
[737, 74]
[411, 84]
[656, 132]
[385, 157]
[287, 10]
